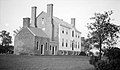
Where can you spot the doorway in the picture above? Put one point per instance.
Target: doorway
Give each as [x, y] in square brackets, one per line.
[53, 50]
[42, 49]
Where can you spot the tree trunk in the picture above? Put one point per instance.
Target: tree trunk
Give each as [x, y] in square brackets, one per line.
[100, 46]
[100, 50]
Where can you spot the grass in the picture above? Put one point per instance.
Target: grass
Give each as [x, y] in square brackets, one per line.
[20, 62]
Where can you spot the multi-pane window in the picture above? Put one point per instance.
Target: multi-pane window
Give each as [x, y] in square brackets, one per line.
[76, 34]
[72, 46]
[56, 48]
[42, 20]
[62, 42]
[46, 46]
[37, 46]
[50, 47]
[66, 31]
[62, 31]
[70, 43]
[66, 43]
[78, 44]
[72, 33]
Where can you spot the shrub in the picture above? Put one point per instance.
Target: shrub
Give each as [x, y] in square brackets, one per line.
[102, 65]
[93, 60]
[114, 64]
[83, 53]
[113, 53]
[106, 65]
[113, 61]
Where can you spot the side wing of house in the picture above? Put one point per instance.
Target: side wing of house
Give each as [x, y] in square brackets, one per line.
[24, 42]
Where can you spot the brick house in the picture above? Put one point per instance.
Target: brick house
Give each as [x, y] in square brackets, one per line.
[48, 35]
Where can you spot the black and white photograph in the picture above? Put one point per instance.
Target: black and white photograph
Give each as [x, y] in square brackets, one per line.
[59, 34]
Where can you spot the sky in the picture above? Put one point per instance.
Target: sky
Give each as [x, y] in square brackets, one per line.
[12, 12]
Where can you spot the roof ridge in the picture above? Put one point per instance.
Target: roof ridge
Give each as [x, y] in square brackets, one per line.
[41, 13]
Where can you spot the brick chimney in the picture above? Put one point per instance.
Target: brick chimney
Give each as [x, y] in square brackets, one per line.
[73, 21]
[33, 16]
[50, 18]
[50, 10]
[26, 22]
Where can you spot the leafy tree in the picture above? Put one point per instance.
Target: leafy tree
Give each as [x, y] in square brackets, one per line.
[102, 30]
[5, 46]
[6, 38]
[112, 62]
[86, 44]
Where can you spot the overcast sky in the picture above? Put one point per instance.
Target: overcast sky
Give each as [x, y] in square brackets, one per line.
[12, 12]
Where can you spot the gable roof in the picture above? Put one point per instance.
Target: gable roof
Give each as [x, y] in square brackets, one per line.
[41, 13]
[37, 32]
[60, 21]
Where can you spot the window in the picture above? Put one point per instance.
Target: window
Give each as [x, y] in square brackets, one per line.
[37, 46]
[62, 31]
[62, 42]
[66, 43]
[72, 33]
[66, 31]
[42, 20]
[70, 43]
[78, 44]
[56, 48]
[76, 34]
[50, 47]
[72, 46]
[46, 46]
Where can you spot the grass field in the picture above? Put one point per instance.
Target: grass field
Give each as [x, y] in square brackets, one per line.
[20, 62]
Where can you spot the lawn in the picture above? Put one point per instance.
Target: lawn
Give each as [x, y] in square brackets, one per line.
[20, 62]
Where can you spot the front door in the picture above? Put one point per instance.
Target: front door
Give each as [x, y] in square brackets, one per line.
[42, 49]
[53, 50]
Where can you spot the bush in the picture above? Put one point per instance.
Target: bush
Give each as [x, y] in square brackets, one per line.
[83, 53]
[102, 65]
[114, 64]
[113, 53]
[93, 60]
[113, 61]
[105, 65]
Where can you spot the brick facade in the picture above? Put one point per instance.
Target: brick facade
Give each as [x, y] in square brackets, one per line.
[45, 33]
